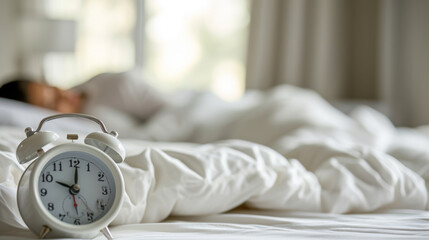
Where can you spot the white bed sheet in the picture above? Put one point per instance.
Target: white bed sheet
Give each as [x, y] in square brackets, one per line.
[300, 155]
[250, 224]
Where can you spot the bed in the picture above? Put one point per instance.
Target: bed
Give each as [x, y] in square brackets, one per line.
[277, 164]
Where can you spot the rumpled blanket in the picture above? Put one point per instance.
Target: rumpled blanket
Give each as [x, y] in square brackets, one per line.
[284, 149]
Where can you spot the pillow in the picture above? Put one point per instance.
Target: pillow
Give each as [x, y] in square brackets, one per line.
[19, 114]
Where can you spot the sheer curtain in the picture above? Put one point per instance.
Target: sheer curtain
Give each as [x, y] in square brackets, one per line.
[371, 50]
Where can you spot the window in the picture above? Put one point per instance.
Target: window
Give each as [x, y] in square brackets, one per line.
[104, 42]
[197, 44]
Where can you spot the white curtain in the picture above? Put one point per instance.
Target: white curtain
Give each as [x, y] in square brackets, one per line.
[374, 50]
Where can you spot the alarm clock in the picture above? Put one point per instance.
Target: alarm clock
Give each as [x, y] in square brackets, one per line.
[71, 189]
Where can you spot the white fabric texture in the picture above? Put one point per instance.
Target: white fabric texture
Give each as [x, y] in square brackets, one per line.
[296, 153]
[125, 93]
[263, 225]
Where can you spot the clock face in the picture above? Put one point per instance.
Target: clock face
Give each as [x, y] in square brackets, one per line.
[76, 187]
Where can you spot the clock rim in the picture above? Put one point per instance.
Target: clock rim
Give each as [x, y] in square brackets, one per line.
[67, 229]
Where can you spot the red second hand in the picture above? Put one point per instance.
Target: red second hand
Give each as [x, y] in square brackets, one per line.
[75, 204]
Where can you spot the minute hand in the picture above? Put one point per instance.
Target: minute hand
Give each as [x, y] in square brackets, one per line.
[75, 176]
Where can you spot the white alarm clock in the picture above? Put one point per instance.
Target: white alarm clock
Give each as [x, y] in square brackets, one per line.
[72, 189]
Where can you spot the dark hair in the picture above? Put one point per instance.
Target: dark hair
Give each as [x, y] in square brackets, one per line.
[15, 89]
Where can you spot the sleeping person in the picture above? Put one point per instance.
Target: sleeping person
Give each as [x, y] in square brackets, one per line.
[127, 104]
[118, 98]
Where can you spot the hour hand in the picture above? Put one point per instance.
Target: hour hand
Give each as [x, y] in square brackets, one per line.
[63, 184]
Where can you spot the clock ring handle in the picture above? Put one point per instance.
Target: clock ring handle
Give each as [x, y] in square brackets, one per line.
[29, 131]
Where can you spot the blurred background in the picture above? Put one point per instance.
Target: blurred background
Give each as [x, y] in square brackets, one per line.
[352, 52]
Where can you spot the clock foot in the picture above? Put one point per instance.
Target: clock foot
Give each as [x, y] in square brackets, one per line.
[106, 233]
[45, 230]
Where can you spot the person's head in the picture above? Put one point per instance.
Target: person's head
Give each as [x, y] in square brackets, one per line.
[42, 95]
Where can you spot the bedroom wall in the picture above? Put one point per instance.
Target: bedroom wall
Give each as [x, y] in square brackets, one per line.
[8, 39]
[27, 33]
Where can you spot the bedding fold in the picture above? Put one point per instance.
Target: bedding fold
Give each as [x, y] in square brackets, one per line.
[220, 176]
[286, 149]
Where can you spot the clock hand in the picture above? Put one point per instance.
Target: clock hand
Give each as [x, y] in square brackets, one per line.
[73, 189]
[63, 184]
[75, 205]
[75, 176]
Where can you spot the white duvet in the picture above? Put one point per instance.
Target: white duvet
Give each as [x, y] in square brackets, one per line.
[284, 149]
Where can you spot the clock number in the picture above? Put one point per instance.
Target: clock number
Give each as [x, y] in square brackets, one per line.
[88, 169]
[90, 216]
[43, 192]
[104, 190]
[74, 163]
[100, 204]
[100, 176]
[47, 178]
[77, 221]
[61, 216]
[50, 206]
[60, 167]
